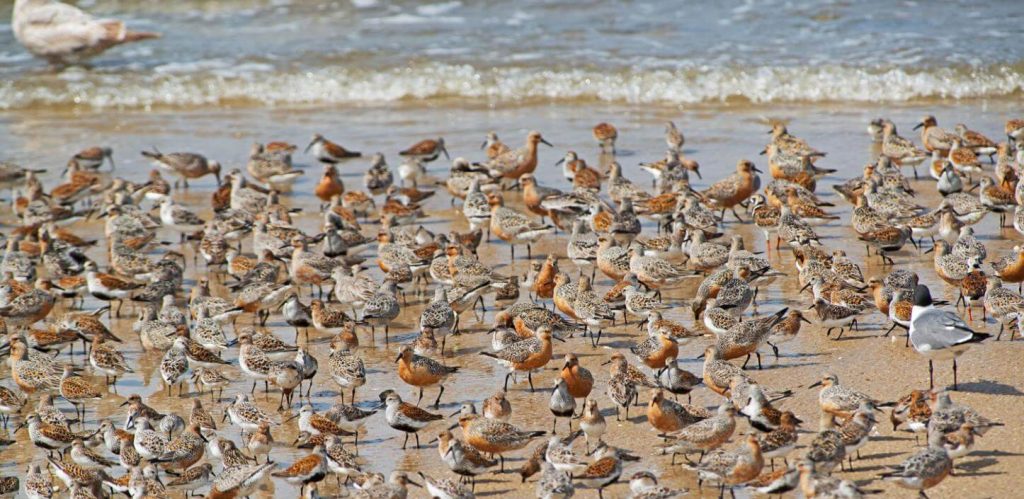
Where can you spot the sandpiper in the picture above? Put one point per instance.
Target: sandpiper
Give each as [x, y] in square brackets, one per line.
[346, 368]
[925, 469]
[406, 417]
[526, 355]
[247, 415]
[185, 165]
[329, 152]
[494, 436]
[840, 401]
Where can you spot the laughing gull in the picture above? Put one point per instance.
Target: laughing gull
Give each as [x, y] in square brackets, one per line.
[939, 334]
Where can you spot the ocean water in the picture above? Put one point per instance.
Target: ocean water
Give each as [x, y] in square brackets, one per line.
[280, 52]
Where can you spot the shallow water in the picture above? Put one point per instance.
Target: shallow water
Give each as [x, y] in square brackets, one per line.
[716, 137]
[248, 52]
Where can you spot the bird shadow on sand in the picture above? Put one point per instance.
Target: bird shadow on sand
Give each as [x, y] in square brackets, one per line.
[978, 464]
[990, 387]
[995, 453]
[496, 493]
[881, 455]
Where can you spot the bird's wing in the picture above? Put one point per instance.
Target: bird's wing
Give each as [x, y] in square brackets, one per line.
[937, 329]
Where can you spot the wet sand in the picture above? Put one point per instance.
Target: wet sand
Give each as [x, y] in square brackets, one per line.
[717, 136]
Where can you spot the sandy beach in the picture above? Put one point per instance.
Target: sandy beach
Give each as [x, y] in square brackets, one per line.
[716, 137]
[380, 76]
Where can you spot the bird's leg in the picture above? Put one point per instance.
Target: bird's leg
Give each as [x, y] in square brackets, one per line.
[437, 402]
[931, 375]
[954, 374]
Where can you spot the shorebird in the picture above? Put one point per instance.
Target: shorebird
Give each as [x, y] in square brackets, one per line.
[513, 163]
[923, 470]
[444, 487]
[382, 308]
[422, 371]
[329, 152]
[562, 404]
[579, 381]
[731, 468]
[48, 436]
[406, 417]
[76, 390]
[835, 316]
[553, 483]
[185, 165]
[730, 191]
[760, 412]
[184, 450]
[426, 150]
[840, 401]
[514, 227]
[246, 415]
[703, 435]
[346, 369]
[108, 287]
[606, 469]
[526, 355]
[947, 417]
[493, 436]
[309, 469]
[149, 443]
[193, 478]
[938, 334]
[64, 34]
[106, 359]
[667, 416]
[238, 481]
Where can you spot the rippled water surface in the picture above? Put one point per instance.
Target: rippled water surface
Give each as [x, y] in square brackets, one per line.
[283, 52]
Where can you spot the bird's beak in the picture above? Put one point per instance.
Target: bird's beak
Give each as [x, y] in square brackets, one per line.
[810, 307]
[763, 151]
[559, 161]
[310, 146]
[398, 358]
[445, 151]
[919, 125]
[629, 457]
[123, 403]
[697, 171]
[22, 425]
[756, 169]
[453, 426]
[483, 144]
[449, 451]
[929, 250]
[973, 187]
[542, 141]
[605, 363]
[805, 287]
[815, 384]
[291, 418]
[415, 484]
[456, 413]
[804, 319]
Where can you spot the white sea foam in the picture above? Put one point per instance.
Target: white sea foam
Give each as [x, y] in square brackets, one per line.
[211, 82]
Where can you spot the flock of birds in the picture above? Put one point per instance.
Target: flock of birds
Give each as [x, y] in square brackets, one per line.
[257, 266]
[49, 271]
